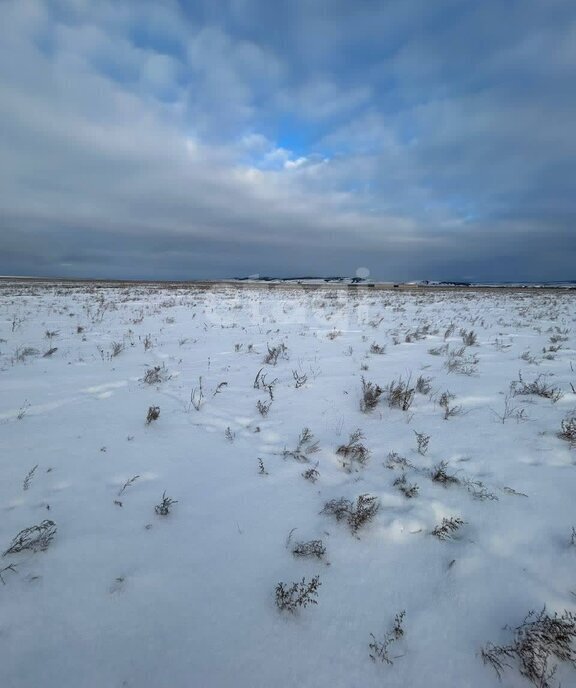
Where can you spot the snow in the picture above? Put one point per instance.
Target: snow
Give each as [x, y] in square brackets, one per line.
[125, 597]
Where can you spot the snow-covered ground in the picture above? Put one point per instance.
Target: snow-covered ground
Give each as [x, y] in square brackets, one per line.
[124, 596]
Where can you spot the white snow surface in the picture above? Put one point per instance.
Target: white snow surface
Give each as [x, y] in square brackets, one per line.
[125, 597]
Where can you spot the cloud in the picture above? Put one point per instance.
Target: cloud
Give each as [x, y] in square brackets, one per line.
[166, 140]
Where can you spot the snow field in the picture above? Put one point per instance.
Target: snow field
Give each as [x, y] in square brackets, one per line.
[123, 596]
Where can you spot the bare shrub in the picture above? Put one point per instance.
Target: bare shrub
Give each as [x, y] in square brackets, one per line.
[28, 477]
[478, 490]
[510, 411]
[339, 508]
[311, 474]
[260, 382]
[197, 395]
[561, 336]
[128, 483]
[448, 527]
[379, 648]
[153, 414]
[537, 387]
[274, 353]
[537, 641]
[23, 410]
[24, 352]
[304, 449]
[512, 491]
[299, 379]
[568, 430]
[219, 388]
[36, 538]
[377, 349]
[354, 451]
[469, 338]
[261, 469]
[116, 348]
[156, 375]
[422, 442]
[263, 407]
[11, 568]
[408, 490]
[291, 597]
[439, 475]
[444, 403]
[376, 323]
[400, 394]
[312, 548]
[356, 515]
[371, 394]
[496, 656]
[16, 322]
[529, 358]
[458, 363]
[438, 350]
[417, 334]
[423, 384]
[397, 461]
[163, 509]
[500, 345]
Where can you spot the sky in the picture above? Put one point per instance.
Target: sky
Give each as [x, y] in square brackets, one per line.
[171, 139]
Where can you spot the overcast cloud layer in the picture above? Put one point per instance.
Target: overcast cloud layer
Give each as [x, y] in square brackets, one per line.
[172, 139]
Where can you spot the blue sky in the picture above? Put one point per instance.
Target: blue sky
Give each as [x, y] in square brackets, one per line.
[170, 139]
